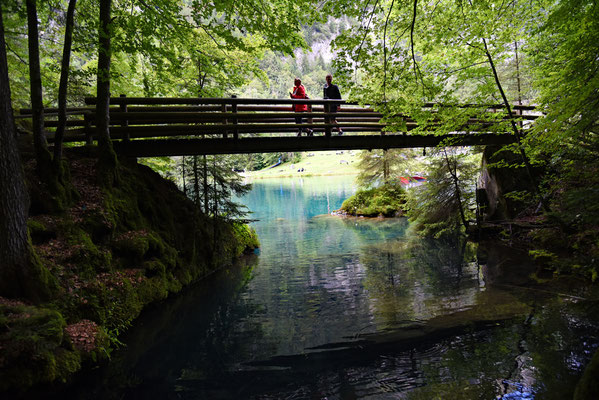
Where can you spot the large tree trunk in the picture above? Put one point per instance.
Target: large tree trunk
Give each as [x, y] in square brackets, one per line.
[64, 80]
[21, 274]
[107, 163]
[42, 154]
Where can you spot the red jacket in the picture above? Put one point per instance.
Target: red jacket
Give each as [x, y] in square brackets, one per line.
[299, 92]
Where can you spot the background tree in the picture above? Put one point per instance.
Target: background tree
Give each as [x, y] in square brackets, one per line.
[562, 55]
[401, 56]
[107, 156]
[211, 182]
[43, 156]
[64, 81]
[444, 204]
[382, 166]
[21, 273]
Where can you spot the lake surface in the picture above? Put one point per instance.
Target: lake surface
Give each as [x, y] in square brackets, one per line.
[346, 308]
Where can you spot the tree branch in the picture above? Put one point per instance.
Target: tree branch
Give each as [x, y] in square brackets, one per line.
[385, 51]
[16, 54]
[514, 127]
[367, 29]
[417, 73]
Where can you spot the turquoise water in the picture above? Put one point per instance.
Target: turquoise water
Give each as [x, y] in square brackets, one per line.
[353, 308]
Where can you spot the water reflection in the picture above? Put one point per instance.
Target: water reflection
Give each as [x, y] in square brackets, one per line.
[353, 308]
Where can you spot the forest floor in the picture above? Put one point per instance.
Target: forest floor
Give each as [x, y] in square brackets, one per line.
[313, 164]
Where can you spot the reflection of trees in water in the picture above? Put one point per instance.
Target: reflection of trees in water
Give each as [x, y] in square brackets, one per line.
[310, 281]
[543, 353]
[472, 366]
[182, 336]
[412, 279]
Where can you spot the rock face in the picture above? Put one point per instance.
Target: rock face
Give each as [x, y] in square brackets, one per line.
[498, 185]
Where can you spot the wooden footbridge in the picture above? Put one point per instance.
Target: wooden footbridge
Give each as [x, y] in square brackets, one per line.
[143, 127]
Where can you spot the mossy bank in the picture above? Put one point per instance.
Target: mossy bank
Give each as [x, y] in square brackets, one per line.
[110, 253]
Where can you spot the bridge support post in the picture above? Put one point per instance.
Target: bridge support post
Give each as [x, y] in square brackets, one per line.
[234, 111]
[124, 121]
[327, 120]
[225, 120]
[87, 121]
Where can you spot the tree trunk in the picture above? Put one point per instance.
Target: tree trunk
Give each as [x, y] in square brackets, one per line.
[454, 176]
[183, 175]
[21, 274]
[215, 189]
[107, 163]
[42, 153]
[386, 172]
[196, 182]
[518, 74]
[64, 80]
[515, 129]
[206, 187]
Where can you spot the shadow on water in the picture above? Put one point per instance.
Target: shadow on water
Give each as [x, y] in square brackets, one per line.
[352, 309]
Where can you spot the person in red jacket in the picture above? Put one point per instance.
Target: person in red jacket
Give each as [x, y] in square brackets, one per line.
[299, 92]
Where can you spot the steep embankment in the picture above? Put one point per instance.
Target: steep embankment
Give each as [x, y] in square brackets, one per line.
[112, 252]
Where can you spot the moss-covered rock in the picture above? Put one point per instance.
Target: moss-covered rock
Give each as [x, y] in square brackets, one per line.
[40, 231]
[31, 339]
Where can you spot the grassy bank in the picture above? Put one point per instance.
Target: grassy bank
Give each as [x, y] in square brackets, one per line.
[316, 163]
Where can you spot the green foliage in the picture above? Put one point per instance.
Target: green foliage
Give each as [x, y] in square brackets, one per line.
[245, 238]
[386, 200]
[564, 61]
[563, 55]
[165, 166]
[543, 256]
[166, 48]
[310, 66]
[414, 52]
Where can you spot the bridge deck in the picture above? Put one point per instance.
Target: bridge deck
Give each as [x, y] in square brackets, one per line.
[188, 126]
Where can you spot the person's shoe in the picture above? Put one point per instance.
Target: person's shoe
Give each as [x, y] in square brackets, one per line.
[340, 132]
[310, 132]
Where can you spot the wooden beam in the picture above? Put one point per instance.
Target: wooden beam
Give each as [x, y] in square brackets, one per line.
[179, 147]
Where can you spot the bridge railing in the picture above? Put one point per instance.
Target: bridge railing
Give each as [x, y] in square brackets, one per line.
[143, 117]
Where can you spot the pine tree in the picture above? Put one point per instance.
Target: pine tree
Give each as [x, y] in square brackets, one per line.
[443, 205]
[382, 166]
[211, 182]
